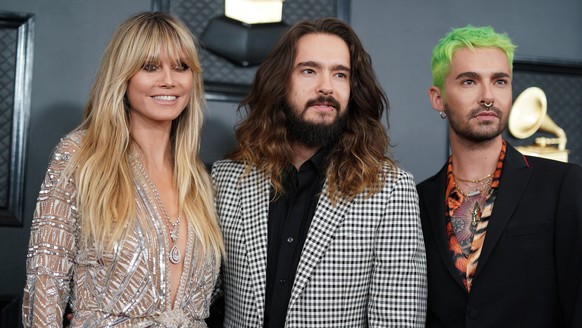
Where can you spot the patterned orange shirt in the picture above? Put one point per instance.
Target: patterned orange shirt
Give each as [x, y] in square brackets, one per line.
[466, 241]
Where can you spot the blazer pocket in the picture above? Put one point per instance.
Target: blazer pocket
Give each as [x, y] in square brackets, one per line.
[528, 229]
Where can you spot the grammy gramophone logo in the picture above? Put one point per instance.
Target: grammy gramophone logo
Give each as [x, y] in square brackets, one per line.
[529, 116]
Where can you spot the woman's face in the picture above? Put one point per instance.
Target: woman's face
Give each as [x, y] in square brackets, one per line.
[159, 91]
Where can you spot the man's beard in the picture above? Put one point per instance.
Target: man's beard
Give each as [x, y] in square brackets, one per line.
[315, 134]
[484, 132]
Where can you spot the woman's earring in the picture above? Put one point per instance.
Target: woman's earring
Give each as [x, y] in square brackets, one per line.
[443, 115]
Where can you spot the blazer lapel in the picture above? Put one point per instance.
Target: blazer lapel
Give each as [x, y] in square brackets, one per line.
[514, 178]
[325, 221]
[254, 215]
[434, 197]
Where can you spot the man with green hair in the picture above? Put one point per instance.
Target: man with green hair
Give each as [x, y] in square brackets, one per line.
[503, 231]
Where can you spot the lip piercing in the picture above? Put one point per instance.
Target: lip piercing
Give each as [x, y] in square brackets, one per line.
[488, 105]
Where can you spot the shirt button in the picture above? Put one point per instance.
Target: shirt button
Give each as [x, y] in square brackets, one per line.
[290, 240]
[473, 313]
[282, 281]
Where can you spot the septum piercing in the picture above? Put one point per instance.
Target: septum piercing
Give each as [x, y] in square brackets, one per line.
[488, 105]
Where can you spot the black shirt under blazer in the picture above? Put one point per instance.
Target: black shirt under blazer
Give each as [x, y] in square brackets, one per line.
[530, 269]
[362, 265]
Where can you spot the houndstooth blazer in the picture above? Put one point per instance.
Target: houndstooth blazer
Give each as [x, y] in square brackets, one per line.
[363, 263]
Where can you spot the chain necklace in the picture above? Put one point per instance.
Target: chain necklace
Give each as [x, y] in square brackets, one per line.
[476, 211]
[475, 192]
[474, 181]
[174, 254]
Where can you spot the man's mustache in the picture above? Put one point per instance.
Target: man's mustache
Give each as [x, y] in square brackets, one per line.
[482, 109]
[329, 100]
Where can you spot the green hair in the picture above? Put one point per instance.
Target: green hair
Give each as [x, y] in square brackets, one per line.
[466, 37]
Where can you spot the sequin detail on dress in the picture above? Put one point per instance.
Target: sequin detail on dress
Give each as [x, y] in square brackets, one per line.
[128, 286]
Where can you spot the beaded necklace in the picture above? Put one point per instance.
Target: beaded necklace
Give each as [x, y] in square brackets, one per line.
[174, 255]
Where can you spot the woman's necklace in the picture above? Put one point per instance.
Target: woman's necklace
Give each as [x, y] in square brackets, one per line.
[174, 254]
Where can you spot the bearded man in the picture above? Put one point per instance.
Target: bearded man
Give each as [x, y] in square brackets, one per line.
[320, 226]
[503, 230]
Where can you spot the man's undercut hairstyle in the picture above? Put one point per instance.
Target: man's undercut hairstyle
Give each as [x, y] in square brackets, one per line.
[470, 37]
[356, 162]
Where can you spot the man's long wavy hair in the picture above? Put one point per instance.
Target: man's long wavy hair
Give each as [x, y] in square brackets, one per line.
[357, 161]
[101, 166]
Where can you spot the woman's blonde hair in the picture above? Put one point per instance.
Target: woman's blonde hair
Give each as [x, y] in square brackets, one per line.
[103, 173]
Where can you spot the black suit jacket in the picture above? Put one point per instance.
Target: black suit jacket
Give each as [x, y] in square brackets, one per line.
[530, 269]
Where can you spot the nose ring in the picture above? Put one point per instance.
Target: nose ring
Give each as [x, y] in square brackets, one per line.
[488, 105]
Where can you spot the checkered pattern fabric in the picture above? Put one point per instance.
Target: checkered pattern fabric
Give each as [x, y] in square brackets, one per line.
[363, 263]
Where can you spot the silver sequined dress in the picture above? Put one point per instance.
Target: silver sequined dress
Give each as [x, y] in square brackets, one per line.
[127, 287]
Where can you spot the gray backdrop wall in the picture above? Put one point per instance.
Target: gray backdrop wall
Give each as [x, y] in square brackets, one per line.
[70, 36]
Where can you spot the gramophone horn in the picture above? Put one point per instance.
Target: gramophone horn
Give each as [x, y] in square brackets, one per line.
[528, 113]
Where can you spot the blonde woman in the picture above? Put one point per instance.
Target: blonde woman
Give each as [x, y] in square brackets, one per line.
[124, 228]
